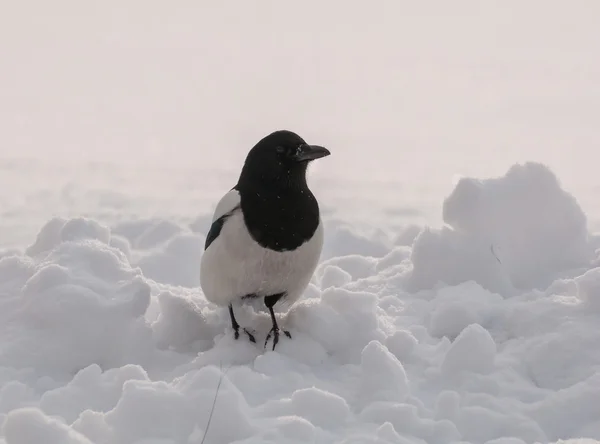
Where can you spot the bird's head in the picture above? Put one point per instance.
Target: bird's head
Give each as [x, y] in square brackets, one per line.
[282, 157]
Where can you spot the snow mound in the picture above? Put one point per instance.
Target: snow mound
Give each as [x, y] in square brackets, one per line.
[473, 350]
[588, 288]
[107, 339]
[31, 426]
[59, 230]
[516, 232]
[77, 301]
[182, 323]
[383, 376]
[176, 262]
[344, 240]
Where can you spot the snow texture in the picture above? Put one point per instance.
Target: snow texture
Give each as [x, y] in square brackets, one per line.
[434, 338]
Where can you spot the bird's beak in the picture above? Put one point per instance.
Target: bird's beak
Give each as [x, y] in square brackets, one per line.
[310, 152]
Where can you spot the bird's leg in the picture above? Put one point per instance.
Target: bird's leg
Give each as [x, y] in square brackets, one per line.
[236, 326]
[234, 323]
[270, 301]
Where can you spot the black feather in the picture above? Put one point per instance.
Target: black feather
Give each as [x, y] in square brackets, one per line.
[280, 211]
[216, 227]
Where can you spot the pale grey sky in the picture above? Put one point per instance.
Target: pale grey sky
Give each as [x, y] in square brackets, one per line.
[394, 88]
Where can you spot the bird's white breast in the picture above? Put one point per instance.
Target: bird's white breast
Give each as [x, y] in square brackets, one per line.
[234, 265]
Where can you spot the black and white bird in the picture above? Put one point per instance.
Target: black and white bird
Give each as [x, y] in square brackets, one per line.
[266, 235]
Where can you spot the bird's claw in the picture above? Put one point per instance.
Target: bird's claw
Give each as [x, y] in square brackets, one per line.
[275, 332]
[250, 336]
[236, 335]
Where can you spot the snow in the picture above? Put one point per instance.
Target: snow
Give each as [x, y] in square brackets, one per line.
[513, 233]
[473, 350]
[423, 335]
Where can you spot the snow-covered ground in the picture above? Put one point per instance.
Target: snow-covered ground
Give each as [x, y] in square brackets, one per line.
[458, 296]
[483, 331]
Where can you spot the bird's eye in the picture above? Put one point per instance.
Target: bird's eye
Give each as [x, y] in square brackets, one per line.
[280, 149]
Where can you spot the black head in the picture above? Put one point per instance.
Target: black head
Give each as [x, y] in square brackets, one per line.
[281, 157]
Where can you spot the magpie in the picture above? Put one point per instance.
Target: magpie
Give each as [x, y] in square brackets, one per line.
[266, 233]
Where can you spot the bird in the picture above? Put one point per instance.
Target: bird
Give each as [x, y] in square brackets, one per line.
[266, 234]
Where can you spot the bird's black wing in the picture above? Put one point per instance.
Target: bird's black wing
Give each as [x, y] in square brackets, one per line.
[215, 230]
[225, 208]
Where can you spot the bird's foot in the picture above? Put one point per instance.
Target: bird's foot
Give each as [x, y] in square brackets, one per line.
[236, 334]
[275, 331]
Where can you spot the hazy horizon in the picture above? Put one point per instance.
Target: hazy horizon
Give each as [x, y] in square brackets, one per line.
[407, 96]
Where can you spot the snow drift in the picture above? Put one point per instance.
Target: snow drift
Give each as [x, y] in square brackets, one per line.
[483, 331]
[512, 233]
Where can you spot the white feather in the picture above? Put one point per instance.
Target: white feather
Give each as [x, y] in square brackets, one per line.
[234, 265]
[227, 203]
